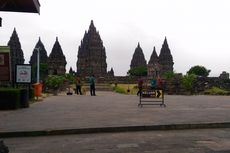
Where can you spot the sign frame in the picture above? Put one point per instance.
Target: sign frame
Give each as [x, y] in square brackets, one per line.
[23, 73]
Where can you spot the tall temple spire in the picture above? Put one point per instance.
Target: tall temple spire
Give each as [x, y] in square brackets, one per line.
[17, 56]
[138, 58]
[92, 28]
[42, 52]
[138, 45]
[43, 59]
[154, 57]
[91, 54]
[39, 39]
[165, 58]
[165, 44]
[56, 60]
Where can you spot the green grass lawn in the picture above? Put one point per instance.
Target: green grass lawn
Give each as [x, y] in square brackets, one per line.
[125, 88]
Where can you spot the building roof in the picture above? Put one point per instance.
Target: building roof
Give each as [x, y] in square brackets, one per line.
[29, 6]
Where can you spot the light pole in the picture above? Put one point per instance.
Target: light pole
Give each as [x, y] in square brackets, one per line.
[38, 64]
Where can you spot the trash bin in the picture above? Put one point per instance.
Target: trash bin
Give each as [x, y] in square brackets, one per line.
[37, 89]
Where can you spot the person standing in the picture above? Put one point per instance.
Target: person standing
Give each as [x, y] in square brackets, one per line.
[140, 85]
[78, 85]
[153, 83]
[159, 83]
[92, 85]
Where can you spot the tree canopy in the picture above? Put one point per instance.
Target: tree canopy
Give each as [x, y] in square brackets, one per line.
[138, 71]
[199, 71]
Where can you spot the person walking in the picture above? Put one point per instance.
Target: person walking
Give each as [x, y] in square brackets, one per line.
[92, 85]
[78, 85]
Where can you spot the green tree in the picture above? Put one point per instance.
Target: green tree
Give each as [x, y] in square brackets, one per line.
[138, 71]
[43, 71]
[70, 77]
[54, 81]
[199, 71]
[169, 75]
[188, 81]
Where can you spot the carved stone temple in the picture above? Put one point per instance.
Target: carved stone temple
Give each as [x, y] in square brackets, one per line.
[42, 52]
[165, 58]
[154, 67]
[158, 65]
[91, 54]
[17, 56]
[138, 58]
[56, 60]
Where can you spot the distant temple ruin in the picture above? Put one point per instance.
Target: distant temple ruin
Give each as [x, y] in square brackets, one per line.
[138, 58]
[56, 60]
[157, 65]
[165, 58]
[16, 53]
[91, 54]
[42, 52]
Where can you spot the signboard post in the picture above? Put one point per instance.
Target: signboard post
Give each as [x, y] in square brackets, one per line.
[4, 63]
[23, 73]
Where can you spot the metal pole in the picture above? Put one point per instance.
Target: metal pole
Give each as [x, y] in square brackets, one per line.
[38, 64]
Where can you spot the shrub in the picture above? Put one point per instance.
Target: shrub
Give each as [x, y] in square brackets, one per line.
[188, 81]
[169, 75]
[216, 91]
[54, 81]
[10, 98]
[119, 89]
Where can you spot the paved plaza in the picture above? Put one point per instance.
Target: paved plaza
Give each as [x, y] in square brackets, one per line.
[108, 110]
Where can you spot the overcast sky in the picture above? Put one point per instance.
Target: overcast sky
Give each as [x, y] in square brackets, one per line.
[198, 31]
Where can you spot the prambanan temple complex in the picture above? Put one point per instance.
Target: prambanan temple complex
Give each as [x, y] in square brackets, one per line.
[91, 56]
[91, 59]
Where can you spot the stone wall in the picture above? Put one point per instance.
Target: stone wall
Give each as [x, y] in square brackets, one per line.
[200, 85]
[174, 86]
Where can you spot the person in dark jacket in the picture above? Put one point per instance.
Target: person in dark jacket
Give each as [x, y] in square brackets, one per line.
[92, 85]
[78, 85]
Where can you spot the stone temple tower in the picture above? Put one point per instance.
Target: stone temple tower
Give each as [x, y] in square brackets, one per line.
[154, 68]
[56, 60]
[165, 58]
[43, 54]
[17, 56]
[138, 58]
[91, 54]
